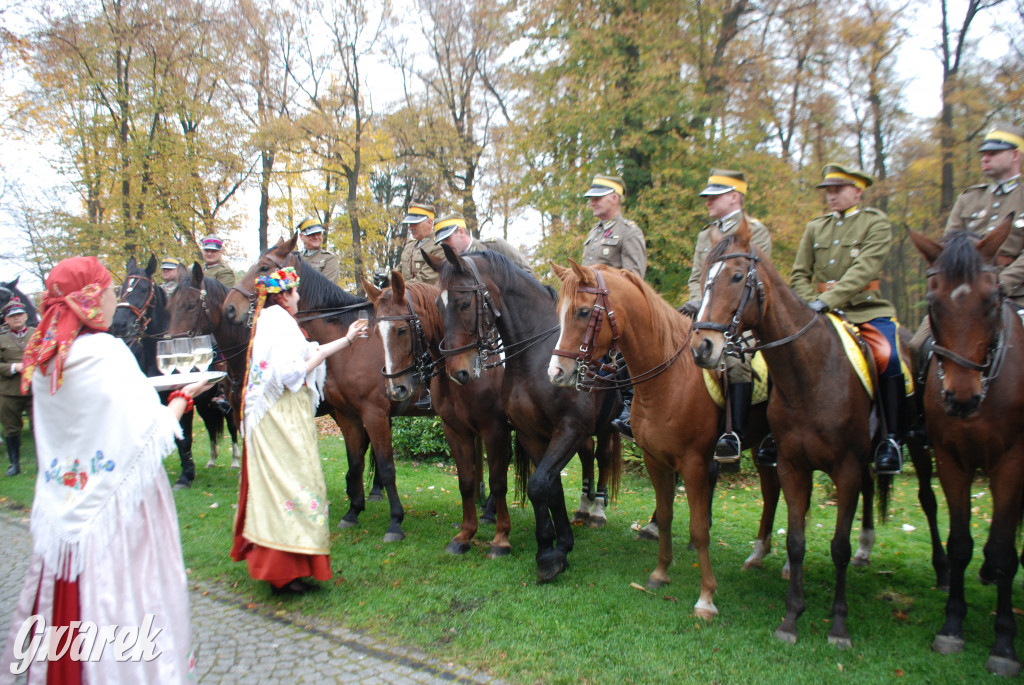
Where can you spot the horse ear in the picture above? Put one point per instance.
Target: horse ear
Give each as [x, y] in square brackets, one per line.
[131, 265]
[559, 270]
[452, 258]
[372, 291]
[13, 284]
[197, 276]
[584, 273]
[398, 287]
[989, 245]
[150, 265]
[743, 233]
[284, 248]
[929, 249]
[432, 261]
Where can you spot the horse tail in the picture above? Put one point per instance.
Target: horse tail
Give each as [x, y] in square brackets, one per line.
[615, 465]
[524, 468]
[884, 491]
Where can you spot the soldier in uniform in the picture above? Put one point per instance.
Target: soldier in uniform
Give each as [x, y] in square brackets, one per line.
[169, 271]
[451, 230]
[725, 194]
[420, 220]
[12, 403]
[618, 242]
[837, 266]
[212, 266]
[312, 233]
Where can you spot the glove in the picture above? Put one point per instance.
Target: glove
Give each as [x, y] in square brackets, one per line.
[819, 307]
[690, 309]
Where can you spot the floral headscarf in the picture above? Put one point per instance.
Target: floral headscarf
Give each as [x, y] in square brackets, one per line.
[71, 303]
[278, 281]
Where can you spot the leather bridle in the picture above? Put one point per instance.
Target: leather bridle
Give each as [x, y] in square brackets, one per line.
[142, 314]
[486, 338]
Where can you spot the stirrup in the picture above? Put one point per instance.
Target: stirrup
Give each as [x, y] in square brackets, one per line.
[725, 451]
[883, 467]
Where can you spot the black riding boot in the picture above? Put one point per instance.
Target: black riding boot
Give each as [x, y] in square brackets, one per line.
[917, 432]
[727, 451]
[14, 454]
[768, 452]
[889, 454]
[621, 423]
[424, 402]
[188, 469]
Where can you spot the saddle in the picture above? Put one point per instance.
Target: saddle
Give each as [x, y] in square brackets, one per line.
[713, 382]
[865, 345]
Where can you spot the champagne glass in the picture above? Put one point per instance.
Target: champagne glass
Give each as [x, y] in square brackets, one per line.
[165, 360]
[202, 352]
[364, 315]
[182, 354]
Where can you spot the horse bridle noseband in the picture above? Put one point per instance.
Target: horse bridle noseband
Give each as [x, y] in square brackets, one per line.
[587, 368]
[423, 367]
[486, 338]
[142, 317]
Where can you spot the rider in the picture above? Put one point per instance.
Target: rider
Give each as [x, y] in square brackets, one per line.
[618, 242]
[837, 266]
[725, 192]
[420, 220]
[312, 233]
[451, 230]
[12, 402]
[169, 271]
[213, 267]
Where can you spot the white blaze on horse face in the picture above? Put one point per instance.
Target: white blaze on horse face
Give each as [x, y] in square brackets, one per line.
[960, 292]
[705, 303]
[555, 365]
[444, 298]
[385, 328]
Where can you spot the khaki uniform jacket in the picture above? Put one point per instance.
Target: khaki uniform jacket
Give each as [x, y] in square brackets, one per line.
[12, 349]
[981, 208]
[502, 247]
[324, 262]
[711, 234]
[220, 272]
[414, 268]
[846, 253]
[617, 242]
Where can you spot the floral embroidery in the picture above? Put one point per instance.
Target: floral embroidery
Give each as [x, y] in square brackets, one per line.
[305, 503]
[74, 478]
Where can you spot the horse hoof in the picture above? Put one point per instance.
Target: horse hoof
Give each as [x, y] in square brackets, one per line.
[860, 562]
[235, 464]
[753, 562]
[840, 642]
[375, 497]
[580, 518]
[548, 572]
[1000, 665]
[210, 464]
[486, 518]
[454, 547]
[947, 644]
[655, 583]
[646, 533]
[705, 611]
[785, 636]
[498, 551]
[985, 581]
[597, 522]
[347, 524]
[394, 537]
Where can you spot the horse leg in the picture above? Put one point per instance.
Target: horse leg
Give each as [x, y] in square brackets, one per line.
[544, 484]
[499, 454]
[188, 466]
[849, 485]
[236, 453]
[714, 469]
[1001, 565]
[484, 500]
[605, 454]
[356, 442]
[956, 483]
[696, 479]
[378, 424]
[866, 540]
[796, 486]
[376, 489]
[663, 478]
[922, 458]
[770, 496]
[463, 452]
[587, 496]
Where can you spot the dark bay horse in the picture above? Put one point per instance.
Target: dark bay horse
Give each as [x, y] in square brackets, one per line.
[973, 404]
[819, 411]
[411, 331]
[9, 290]
[354, 391]
[485, 297]
[674, 418]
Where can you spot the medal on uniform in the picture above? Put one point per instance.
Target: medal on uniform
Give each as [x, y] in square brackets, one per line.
[855, 252]
[605, 251]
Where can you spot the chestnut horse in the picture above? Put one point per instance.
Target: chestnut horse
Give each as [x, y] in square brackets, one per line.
[354, 389]
[674, 418]
[973, 403]
[818, 409]
[486, 298]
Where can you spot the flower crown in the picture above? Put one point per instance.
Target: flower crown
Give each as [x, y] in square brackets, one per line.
[278, 281]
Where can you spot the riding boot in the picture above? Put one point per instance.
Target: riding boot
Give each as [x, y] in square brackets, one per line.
[727, 451]
[14, 454]
[621, 422]
[917, 433]
[889, 454]
[768, 452]
[188, 469]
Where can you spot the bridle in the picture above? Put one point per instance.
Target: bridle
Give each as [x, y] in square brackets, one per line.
[142, 314]
[196, 329]
[422, 366]
[486, 338]
[251, 295]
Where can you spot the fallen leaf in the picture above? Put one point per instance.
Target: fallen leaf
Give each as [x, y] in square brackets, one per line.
[641, 588]
[898, 673]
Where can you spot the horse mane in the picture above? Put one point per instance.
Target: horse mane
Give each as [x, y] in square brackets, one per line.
[959, 259]
[215, 288]
[320, 294]
[422, 297]
[502, 269]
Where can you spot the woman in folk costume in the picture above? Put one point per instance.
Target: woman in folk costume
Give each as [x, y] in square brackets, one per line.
[281, 529]
[106, 550]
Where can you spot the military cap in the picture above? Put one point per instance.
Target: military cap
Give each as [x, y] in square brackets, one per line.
[603, 185]
[309, 226]
[418, 212]
[212, 242]
[1003, 137]
[171, 263]
[15, 306]
[838, 175]
[722, 181]
[447, 225]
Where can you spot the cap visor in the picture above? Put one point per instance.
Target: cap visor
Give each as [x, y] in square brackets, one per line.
[313, 231]
[443, 234]
[716, 189]
[828, 182]
[413, 218]
[995, 146]
[598, 191]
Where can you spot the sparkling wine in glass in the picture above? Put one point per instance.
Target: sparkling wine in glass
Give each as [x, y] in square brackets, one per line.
[165, 359]
[182, 354]
[365, 316]
[202, 352]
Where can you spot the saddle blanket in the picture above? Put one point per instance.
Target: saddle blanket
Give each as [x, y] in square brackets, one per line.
[846, 333]
[713, 382]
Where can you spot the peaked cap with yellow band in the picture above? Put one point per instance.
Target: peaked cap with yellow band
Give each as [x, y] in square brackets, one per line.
[722, 181]
[309, 226]
[418, 212]
[171, 263]
[1003, 137]
[838, 175]
[603, 185]
[448, 224]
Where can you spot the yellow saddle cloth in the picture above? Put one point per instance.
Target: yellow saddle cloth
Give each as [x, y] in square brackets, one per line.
[713, 382]
[846, 333]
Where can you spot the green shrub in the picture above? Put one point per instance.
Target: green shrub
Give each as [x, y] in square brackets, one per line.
[418, 436]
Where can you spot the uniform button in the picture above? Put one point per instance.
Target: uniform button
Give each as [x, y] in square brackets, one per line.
[839, 223]
[835, 242]
[831, 261]
[995, 204]
[993, 217]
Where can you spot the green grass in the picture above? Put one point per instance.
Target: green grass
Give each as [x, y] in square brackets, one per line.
[590, 625]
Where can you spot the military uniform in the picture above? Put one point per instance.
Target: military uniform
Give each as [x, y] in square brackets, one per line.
[714, 233]
[325, 262]
[12, 402]
[500, 246]
[220, 272]
[414, 268]
[617, 242]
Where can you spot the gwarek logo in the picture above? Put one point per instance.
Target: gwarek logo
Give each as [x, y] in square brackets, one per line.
[82, 641]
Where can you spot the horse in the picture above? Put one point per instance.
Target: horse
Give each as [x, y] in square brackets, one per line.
[819, 411]
[674, 419]
[140, 319]
[9, 291]
[484, 298]
[354, 391]
[194, 309]
[973, 401]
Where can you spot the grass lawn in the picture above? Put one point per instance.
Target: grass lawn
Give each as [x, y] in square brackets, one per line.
[591, 625]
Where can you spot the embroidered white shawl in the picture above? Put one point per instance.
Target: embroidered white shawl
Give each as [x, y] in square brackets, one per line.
[279, 355]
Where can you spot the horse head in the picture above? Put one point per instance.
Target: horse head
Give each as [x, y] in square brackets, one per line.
[470, 304]
[583, 309]
[241, 300]
[733, 298]
[965, 309]
[190, 309]
[139, 302]
[407, 361]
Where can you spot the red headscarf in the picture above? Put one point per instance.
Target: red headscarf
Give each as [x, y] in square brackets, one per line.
[71, 302]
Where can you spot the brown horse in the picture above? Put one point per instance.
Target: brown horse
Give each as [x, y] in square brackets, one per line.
[354, 390]
[487, 301]
[973, 403]
[819, 411]
[410, 329]
[674, 419]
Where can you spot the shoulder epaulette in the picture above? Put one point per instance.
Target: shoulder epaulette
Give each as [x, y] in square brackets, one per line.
[875, 210]
[980, 186]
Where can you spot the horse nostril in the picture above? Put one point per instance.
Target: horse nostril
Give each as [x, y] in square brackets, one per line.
[462, 377]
